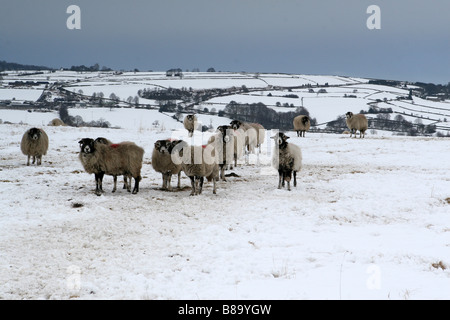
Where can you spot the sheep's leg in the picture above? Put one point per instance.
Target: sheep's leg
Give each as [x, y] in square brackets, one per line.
[179, 180]
[115, 184]
[295, 178]
[39, 160]
[169, 181]
[125, 182]
[222, 172]
[164, 181]
[201, 184]
[214, 186]
[136, 184]
[193, 186]
[34, 160]
[129, 184]
[28, 160]
[98, 183]
[280, 178]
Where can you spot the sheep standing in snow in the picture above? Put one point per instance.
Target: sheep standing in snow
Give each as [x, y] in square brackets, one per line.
[356, 122]
[302, 124]
[260, 134]
[224, 148]
[287, 159]
[126, 179]
[34, 144]
[190, 123]
[197, 162]
[56, 122]
[162, 162]
[118, 159]
[250, 136]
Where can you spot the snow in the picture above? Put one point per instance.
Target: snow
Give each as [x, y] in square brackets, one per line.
[369, 219]
[20, 94]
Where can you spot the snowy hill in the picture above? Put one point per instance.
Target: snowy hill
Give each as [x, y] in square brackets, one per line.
[325, 97]
[368, 219]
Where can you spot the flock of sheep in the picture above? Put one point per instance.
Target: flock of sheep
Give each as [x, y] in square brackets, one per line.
[172, 156]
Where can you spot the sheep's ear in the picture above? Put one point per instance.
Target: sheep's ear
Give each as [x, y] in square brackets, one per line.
[286, 137]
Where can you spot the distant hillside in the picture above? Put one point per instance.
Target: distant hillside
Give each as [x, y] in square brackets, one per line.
[17, 66]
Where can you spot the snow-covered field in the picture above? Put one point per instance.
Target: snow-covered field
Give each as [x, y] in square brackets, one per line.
[368, 220]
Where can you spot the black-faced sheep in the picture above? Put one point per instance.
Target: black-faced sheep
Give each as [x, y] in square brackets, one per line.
[34, 144]
[162, 162]
[197, 162]
[118, 159]
[126, 179]
[356, 122]
[250, 136]
[287, 159]
[302, 124]
[224, 147]
[190, 123]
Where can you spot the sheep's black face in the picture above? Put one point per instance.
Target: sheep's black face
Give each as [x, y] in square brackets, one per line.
[163, 146]
[349, 115]
[226, 134]
[281, 139]
[235, 124]
[34, 133]
[305, 120]
[87, 145]
[190, 117]
[173, 144]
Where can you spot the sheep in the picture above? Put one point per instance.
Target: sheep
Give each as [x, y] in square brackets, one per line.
[34, 144]
[56, 122]
[302, 124]
[250, 135]
[126, 179]
[162, 162]
[356, 122]
[287, 159]
[260, 136]
[197, 162]
[190, 123]
[118, 159]
[224, 148]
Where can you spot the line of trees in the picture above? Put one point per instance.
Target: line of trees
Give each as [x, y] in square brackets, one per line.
[78, 121]
[260, 113]
[383, 121]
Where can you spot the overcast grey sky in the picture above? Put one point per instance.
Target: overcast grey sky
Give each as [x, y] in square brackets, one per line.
[289, 36]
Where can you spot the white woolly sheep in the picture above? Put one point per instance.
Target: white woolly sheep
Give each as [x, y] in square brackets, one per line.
[302, 124]
[190, 123]
[162, 162]
[34, 144]
[118, 159]
[56, 122]
[260, 134]
[250, 136]
[287, 159]
[126, 179]
[356, 122]
[224, 141]
[197, 162]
